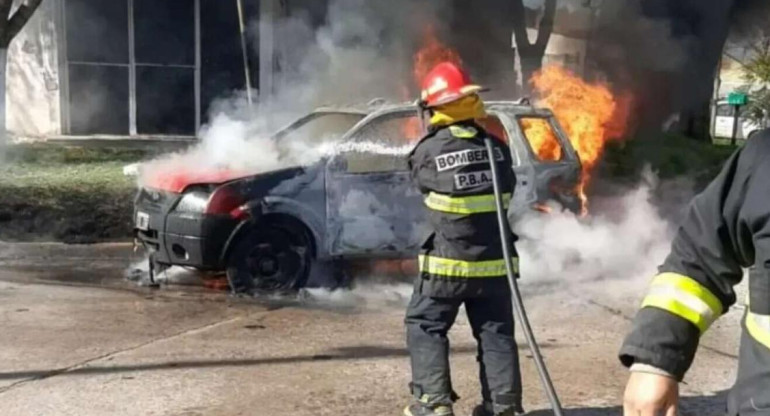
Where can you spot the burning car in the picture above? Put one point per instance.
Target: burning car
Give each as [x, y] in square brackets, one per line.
[357, 202]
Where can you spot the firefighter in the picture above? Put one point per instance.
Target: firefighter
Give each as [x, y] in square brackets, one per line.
[461, 261]
[727, 228]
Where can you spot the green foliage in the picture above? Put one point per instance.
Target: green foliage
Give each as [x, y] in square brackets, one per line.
[756, 74]
[669, 156]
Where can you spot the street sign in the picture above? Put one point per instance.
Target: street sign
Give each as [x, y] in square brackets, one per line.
[737, 98]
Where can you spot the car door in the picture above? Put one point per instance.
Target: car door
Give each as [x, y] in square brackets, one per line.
[373, 210]
[546, 166]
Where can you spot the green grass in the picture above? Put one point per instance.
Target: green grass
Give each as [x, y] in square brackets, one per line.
[56, 177]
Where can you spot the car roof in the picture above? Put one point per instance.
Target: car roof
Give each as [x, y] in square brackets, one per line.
[378, 106]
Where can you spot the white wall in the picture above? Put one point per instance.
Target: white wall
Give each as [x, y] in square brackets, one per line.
[33, 106]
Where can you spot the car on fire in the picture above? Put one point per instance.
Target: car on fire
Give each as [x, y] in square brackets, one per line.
[354, 203]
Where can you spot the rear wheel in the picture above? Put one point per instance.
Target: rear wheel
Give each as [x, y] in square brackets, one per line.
[272, 257]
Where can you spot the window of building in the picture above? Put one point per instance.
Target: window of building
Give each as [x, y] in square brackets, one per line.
[98, 71]
[136, 66]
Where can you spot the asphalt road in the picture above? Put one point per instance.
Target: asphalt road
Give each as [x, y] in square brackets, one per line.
[78, 339]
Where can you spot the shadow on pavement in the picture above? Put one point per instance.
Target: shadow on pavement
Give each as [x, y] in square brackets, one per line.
[688, 406]
[338, 354]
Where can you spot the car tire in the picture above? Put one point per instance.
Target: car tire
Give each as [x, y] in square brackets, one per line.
[272, 257]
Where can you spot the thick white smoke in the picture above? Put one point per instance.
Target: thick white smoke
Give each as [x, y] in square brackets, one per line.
[613, 253]
[358, 55]
[239, 146]
[364, 50]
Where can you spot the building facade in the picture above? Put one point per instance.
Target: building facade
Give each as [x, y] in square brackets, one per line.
[128, 67]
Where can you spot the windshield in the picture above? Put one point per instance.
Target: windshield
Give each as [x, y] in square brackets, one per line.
[320, 127]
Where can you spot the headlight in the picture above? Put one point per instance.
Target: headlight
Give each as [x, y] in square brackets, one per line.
[193, 202]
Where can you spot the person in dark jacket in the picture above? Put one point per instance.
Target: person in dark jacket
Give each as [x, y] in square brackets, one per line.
[726, 229]
[461, 261]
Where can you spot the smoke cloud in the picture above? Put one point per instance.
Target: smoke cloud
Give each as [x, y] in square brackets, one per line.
[611, 254]
[365, 50]
[362, 51]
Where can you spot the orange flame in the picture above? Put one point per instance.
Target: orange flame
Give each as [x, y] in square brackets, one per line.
[542, 138]
[412, 129]
[432, 53]
[590, 114]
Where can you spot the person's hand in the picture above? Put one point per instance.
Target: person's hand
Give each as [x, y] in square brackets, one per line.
[650, 395]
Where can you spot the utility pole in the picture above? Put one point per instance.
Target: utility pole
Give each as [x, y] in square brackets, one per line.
[244, 51]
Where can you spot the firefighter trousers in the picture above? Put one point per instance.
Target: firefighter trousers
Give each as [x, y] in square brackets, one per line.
[428, 320]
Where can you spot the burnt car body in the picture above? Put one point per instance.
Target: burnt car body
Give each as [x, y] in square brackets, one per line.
[357, 202]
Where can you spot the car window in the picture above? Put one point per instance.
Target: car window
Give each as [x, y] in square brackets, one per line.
[382, 145]
[542, 138]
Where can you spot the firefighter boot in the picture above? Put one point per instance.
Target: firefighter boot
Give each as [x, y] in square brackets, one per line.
[423, 407]
[487, 409]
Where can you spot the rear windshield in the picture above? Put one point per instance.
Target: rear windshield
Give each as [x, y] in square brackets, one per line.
[542, 138]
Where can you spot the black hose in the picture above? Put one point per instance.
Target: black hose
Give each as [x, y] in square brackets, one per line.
[518, 305]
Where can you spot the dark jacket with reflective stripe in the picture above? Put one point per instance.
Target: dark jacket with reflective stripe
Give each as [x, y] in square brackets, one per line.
[462, 256]
[727, 228]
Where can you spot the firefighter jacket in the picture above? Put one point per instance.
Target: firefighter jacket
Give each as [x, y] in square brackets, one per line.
[727, 228]
[462, 255]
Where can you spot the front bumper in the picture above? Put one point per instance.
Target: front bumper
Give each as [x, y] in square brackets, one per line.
[199, 244]
[171, 238]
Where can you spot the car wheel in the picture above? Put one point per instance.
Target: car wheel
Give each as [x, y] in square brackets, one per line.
[270, 258]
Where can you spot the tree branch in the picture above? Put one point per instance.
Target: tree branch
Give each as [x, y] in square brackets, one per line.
[18, 20]
[545, 28]
[520, 26]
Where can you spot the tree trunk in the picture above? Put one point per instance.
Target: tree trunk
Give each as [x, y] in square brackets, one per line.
[531, 54]
[3, 131]
[531, 62]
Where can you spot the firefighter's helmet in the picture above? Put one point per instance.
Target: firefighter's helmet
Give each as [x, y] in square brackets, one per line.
[445, 83]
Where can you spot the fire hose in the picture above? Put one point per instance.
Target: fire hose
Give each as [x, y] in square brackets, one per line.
[518, 305]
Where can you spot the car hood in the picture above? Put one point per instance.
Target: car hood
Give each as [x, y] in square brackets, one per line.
[177, 180]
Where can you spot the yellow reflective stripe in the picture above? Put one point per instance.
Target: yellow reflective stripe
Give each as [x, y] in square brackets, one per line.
[685, 298]
[466, 269]
[463, 132]
[759, 327]
[464, 205]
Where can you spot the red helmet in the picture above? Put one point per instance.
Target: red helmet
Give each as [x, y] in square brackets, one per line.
[445, 83]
